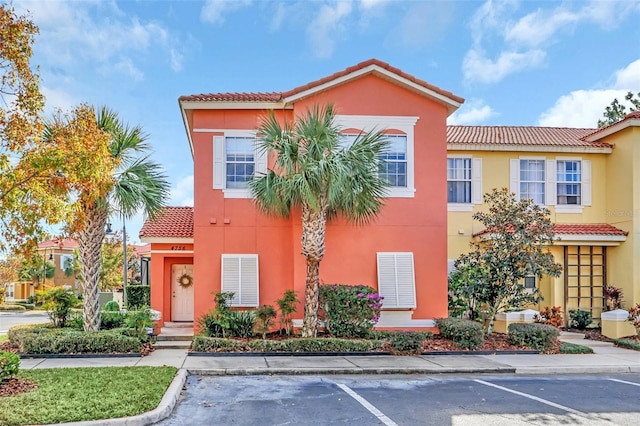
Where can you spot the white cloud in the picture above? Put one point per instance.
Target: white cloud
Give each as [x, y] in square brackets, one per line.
[326, 27]
[472, 112]
[478, 67]
[182, 192]
[91, 31]
[372, 4]
[213, 11]
[520, 42]
[583, 108]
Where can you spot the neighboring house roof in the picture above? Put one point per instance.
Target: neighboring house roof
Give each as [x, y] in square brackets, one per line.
[507, 138]
[172, 222]
[65, 243]
[142, 250]
[233, 97]
[631, 119]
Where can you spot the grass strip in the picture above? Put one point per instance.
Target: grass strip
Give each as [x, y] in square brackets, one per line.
[627, 344]
[78, 394]
[572, 348]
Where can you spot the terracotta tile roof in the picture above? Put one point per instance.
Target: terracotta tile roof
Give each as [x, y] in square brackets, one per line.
[380, 64]
[59, 243]
[630, 116]
[234, 97]
[579, 229]
[172, 222]
[277, 96]
[520, 135]
[588, 229]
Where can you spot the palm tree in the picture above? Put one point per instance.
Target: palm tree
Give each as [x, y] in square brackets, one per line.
[138, 183]
[313, 172]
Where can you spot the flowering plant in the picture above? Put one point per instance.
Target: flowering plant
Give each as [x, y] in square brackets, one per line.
[350, 310]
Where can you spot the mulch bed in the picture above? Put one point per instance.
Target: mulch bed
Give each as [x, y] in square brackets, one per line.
[493, 342]
[15, 386]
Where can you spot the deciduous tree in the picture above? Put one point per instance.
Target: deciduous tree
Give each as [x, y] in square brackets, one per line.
[515, 245]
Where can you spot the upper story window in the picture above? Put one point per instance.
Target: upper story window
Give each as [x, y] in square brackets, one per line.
[464, 182]
[240, 161]
[532, 180]
[569, 181]
[235, 160]
[459, 180]
[562, 182]
[397, 164]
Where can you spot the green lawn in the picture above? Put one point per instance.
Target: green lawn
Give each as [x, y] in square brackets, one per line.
[76, 394]
[3, 337]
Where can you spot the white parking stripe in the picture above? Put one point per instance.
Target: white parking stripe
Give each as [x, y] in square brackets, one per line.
[535, 398]
[625, 382]
[366, 404]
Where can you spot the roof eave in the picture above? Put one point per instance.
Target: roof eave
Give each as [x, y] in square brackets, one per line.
[167, 240]
[614, 128]
[451, 104]
[527, 148]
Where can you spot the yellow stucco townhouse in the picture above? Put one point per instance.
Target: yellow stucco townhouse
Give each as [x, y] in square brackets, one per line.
[588, 178]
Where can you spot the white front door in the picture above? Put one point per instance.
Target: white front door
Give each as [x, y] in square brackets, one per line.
[182, 293]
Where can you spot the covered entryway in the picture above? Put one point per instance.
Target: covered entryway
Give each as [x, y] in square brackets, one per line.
[585, 276]
[181, 292]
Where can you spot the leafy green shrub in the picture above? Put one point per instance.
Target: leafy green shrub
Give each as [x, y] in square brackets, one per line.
[315, 345]
[209, 325]
[215, 344]
[350, 311]
[217, 322]
[12, 307]
[287, 306]
[265, 315]
[138, 318]
[241, 323]
[112, 319]
[138, 295]
[403, 341]
[28, 306]
[628, 344]
[537, 336]
[111, 306]
[614, 297]
[9, 364]
[579, 319]
[60, 341]
[572, 348]
[634, 317]
[74, 320]
[464, 333]
[59, 302]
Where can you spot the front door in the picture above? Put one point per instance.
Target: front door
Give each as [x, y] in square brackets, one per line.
[182, 293]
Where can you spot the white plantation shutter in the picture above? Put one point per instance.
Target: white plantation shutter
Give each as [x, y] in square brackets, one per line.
[240, 276]
[219, 171]
[476, 180]
[261, 160]
[396, 280]
[514, 177]
[550, 184]
[586, 182]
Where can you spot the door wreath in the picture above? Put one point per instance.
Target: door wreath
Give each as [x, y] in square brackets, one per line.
[185, 280]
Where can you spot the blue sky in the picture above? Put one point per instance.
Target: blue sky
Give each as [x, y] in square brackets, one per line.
[516, 63]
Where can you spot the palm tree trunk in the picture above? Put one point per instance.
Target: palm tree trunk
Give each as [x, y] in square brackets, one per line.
[313, 230]
[89, 244]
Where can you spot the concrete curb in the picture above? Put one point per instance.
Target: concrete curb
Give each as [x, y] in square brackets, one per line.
[359, 371]
[162, 411]
[605, 369]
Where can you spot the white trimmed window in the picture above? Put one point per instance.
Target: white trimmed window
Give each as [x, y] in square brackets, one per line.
[464, 182]
[240, 276]
[530, 282]
[397, 164]
[396, 280]
[10, 292]
[235, 160]
[561, 182]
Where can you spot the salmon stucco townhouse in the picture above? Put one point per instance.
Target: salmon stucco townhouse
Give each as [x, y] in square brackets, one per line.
[224, 244]
[588, 178]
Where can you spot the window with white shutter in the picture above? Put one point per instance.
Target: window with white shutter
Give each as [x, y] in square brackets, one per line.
[240, 276]
[236, 158]
[396, 280]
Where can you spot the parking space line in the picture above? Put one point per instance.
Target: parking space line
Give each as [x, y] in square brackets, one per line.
[625, 382]
[366, 404]
[535, 398]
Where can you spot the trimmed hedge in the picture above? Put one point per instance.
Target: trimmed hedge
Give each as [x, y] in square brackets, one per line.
[572, 348]
[215, 344]
[403, 341]
[627, 344]
[466, 334]
[47, 340]
[11, 307]
[9, 364]
[138, 295]
[536, 336]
